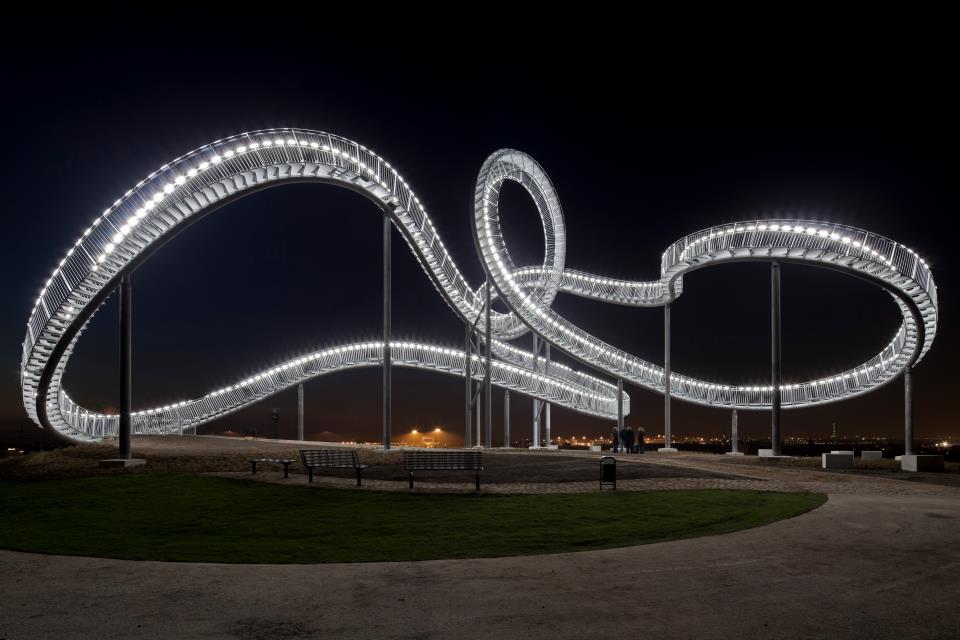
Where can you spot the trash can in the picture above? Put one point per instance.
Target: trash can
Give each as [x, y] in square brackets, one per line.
[608, 472]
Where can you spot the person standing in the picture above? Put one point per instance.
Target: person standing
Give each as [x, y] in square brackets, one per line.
[614, 440]
[629, 440]
[641, 437]
[623, 440]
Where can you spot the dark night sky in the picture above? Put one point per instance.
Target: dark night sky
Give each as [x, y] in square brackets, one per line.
[642, 152]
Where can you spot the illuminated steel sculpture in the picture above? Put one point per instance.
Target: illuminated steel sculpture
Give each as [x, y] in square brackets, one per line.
[183, 191]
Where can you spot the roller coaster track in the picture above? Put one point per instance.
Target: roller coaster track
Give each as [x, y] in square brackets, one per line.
[198, 183]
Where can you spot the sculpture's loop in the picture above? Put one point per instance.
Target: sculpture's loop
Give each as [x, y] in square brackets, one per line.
[194, 185]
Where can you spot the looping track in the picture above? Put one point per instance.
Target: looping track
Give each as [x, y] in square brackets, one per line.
[194, 185]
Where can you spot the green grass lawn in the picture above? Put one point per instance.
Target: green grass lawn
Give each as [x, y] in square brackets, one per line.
[182, 517]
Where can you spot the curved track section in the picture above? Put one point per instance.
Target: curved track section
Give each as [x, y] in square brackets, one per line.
[181, 192]
[859, 253]
[197, 184]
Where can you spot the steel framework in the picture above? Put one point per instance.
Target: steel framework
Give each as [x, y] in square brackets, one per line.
[198, 183]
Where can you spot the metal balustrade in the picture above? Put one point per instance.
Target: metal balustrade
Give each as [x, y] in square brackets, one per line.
[196, 184]
[860, 253]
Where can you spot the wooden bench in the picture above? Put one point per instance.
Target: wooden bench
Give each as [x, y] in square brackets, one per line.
[285, 462]
[332, 458]
[442, 461]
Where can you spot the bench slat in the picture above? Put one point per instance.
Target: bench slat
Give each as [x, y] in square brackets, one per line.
[337, 458]
[442, 460]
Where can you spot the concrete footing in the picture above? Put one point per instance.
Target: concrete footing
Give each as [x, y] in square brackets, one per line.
[845, 453]
[734, 453]
[667, 450]
[921, 463]
[837, 461]
[871, 455]
[768, 453]
[122, 462]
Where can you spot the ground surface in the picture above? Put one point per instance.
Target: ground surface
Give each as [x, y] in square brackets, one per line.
[880, 559]
[213, 454]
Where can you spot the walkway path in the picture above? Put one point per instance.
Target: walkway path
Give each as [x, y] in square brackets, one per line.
[881, 559]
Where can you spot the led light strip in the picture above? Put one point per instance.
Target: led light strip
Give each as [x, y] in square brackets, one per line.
[896, 268]
[192, 185]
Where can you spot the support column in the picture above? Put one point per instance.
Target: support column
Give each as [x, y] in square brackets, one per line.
[536, 402]
[619, 405]
[387, 333]
[908, 410]
[546, 371]
[775, 358]
[488, 391]
[734, 436]
[506, 418]
[126, 365]
[468, 399]
[667, 436]
[300, 411]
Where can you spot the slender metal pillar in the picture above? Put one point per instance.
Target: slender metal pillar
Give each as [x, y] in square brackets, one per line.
[536, 402]
[619, 405]
[667, 440]
[126, 364]
[546, 370]
[387, 332]
[300, 411]
[479, 414]
[506, 418]
[488, 391]
[908, 410]
[468, 398]
[734, 433]
[775, 358]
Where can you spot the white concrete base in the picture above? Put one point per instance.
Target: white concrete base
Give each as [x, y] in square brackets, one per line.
[898, 458]
[871, 455]
[845, 453]
[122, 462]
[921, 463]
[553, 447]
[594, 447]
[667, 450]
[734, 453]
[768, 453]
[837, 461]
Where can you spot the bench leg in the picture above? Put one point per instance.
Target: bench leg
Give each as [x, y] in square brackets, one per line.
[359, 471]
[411, 479]
[253, 466]
[286, 467]
[310, 471]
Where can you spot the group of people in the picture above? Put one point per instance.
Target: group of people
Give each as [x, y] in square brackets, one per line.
[628, 441]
